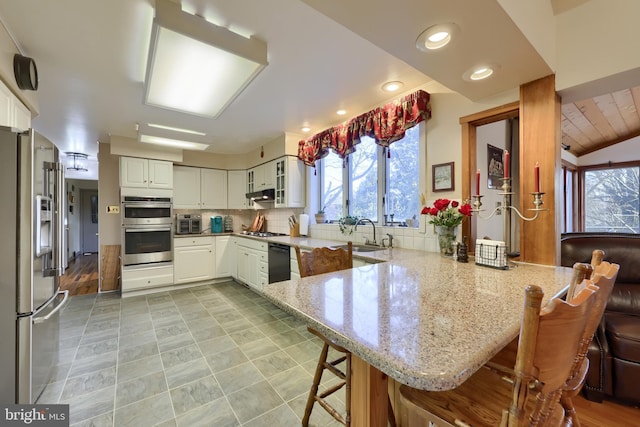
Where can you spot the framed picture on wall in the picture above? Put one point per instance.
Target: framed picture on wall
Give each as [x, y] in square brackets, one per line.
[443, 178]
[495, 167]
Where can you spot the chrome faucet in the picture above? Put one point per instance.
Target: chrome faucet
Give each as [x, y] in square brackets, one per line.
[389, 239]
[361, 221]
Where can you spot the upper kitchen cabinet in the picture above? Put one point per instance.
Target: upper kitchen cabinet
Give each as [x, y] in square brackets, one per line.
[145, 173]
[199, 188]
[13, 113]
[290, 182]
[261, 177]
[237, 189]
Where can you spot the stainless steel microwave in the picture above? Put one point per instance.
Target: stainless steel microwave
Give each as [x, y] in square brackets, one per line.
[146, 210]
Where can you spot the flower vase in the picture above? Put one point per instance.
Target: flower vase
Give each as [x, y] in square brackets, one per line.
[446, 237]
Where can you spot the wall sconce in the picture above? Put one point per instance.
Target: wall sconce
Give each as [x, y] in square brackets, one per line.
[197, 67]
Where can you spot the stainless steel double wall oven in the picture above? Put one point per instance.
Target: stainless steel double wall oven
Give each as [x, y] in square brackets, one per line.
[147, 232]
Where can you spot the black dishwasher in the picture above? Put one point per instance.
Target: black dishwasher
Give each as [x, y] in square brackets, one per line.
[279, 267]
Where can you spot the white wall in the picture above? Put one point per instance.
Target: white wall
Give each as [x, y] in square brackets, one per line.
[596, 40]
[623, 152]
[491, 134]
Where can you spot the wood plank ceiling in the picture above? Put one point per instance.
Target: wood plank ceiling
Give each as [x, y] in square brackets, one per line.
[599, 122]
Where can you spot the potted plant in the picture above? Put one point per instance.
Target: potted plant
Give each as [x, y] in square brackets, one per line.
[320, 215]
[347, 224]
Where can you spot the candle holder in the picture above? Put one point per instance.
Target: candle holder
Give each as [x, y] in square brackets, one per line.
[506, 208]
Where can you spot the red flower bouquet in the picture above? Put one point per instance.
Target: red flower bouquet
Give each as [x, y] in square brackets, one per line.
[447, 213]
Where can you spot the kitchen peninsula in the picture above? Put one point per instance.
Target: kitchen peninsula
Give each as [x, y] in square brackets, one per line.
[425, 321]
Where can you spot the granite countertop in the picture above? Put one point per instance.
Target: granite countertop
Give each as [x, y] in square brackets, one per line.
[424, 320]
[381, 255]
[203, 233]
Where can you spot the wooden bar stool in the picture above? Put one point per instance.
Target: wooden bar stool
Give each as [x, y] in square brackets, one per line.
[603, 276]
[549, 342]
[319, 261]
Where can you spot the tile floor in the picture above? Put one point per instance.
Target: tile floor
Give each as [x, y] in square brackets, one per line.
[217, 355]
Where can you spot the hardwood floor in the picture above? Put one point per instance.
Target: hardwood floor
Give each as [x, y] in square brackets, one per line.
[81, 277]
[606, 414]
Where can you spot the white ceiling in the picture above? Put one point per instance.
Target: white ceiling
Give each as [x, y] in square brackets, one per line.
[91, 57]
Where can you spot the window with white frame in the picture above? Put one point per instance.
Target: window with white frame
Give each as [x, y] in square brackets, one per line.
[371, 184]
[611, 198]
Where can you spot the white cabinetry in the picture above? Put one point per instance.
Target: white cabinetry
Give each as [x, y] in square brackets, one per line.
[225, 256]
[194, 259]
[213, 188]
[136, 278]
[237, 189]
[261, 177]
[290, 182]
[145, 173]
[13, 113]
[199, 188]
[252, 258]
[295, 270]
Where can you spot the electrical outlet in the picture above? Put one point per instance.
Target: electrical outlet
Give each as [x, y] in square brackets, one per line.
[499, 211]
[113, 209]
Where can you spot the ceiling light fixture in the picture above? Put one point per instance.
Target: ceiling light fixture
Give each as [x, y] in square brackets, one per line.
[305, 129]
[480, 72]
[436, 36]
[197, 67]
[77, 161]
[172, 137]
[341, 112]
[392, 86]
[189, 131]
[169, 142]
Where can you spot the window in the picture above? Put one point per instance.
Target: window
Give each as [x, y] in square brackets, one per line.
[611, 199]
[372, 184]
[363, 179]
[569, 177]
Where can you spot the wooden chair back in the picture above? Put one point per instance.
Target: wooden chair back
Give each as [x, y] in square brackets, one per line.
[324, 260]
[547, 348]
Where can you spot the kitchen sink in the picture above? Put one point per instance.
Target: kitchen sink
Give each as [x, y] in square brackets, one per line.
[362, 248]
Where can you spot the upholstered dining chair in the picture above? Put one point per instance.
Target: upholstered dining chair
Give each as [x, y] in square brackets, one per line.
[318, 261]
[549, 341]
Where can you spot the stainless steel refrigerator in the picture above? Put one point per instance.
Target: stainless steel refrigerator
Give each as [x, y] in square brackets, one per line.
[31, 259]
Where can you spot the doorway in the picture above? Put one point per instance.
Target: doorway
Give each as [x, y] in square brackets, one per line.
[81, 275]
[89, 221]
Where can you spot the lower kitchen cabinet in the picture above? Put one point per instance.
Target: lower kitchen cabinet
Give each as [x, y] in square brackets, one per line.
[225, 256]
[252, 262]
[136, 278]
[194, 259]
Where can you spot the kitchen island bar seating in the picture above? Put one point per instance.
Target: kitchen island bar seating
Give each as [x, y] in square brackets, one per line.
[318, 261]
[603, 276]
[549, 341]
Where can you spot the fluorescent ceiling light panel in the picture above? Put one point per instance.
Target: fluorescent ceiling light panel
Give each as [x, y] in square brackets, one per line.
[175, 143]
[189, 131]
[195, 66]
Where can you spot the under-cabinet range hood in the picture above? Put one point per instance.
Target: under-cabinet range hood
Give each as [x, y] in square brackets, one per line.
[267, 195]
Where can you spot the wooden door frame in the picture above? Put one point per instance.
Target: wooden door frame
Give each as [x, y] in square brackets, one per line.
[469, 125]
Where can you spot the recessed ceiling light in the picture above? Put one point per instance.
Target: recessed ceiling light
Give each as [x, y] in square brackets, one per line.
[436, 36]
[341, 112]
[392, 86]
[306, 129]
[480, 72]
[192, 132]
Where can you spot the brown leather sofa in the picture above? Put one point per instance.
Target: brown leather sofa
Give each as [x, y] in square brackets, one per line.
[614, 353]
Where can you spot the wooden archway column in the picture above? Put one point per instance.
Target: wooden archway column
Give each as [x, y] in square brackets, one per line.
[540, 137]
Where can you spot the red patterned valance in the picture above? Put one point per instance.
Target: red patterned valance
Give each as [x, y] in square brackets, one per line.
[385, 124]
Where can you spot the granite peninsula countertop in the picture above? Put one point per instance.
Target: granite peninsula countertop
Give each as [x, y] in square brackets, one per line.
[424, 320]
